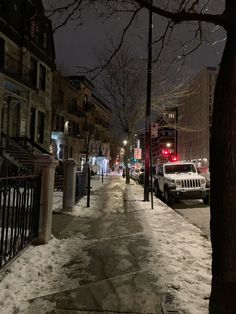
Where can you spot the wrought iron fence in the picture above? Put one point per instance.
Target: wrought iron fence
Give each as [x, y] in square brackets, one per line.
[19, 214]
[80, 188]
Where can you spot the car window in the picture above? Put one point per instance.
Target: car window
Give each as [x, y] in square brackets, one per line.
[183, 168]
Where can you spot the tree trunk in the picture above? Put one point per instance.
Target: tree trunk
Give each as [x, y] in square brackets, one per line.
[223, 183]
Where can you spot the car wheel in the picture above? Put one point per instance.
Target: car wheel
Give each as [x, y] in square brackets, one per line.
[206, 200]
[167, 197]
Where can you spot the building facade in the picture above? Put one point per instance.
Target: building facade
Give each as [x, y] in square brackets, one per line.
[40, 110]
[27, 58]
[68, 117]
[164, 146]
[26, 62]
[80, 120]
[195, 114]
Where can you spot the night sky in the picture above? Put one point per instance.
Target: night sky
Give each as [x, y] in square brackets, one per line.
[79, 45]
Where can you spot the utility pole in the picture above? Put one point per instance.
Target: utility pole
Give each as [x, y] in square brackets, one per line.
[148, 109]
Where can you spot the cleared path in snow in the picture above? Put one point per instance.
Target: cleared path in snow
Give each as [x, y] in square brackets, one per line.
[119, 277]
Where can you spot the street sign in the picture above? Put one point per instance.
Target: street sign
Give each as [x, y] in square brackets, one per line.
[138, 153]
[154, 130]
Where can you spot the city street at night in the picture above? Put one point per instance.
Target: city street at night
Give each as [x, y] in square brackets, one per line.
[117, 157]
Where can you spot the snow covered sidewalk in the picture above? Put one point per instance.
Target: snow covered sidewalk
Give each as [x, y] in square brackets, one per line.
[118, 255]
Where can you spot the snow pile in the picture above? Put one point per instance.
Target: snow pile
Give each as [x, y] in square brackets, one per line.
[40, 270]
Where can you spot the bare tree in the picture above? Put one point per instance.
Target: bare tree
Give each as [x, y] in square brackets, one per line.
[223, 134]
[123, 86]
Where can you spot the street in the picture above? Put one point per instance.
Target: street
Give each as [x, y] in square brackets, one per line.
[196, 213]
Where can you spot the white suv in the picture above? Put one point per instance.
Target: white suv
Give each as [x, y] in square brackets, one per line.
[180, 180]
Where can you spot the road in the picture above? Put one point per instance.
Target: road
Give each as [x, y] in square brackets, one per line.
[196, 213]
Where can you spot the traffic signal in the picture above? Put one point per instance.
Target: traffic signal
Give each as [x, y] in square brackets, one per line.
[166, 152]
[173, 158]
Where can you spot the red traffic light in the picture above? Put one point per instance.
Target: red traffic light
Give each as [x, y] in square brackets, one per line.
[173, 158]
[166, 152]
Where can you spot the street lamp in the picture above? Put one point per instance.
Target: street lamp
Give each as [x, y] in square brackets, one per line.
[148, 108]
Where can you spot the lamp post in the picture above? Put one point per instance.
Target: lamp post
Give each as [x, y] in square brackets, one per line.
[148, 109]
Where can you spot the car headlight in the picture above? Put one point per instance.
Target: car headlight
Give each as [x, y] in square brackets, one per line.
[203, 181]
[178, 182]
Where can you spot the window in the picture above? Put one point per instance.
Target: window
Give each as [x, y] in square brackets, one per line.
[32, 123]
[171, 115]
[2, 52]
[61, 151]
[33, 71]
[77, 129]
[73, 128]
[60, 123]
[65, 152]
[184, 168]
[40, 127]
[42, 77]
[61, 96]
[70, 127]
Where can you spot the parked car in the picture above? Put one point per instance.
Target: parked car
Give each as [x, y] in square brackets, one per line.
[203, 171]
[141, 177]
[180, 180]
[136, 173]
[132, 173]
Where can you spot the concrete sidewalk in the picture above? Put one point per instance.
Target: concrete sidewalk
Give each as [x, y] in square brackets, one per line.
[119, 278]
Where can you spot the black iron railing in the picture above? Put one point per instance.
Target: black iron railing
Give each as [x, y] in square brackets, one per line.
[80, 188]
[30, 145]
[19, 214]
